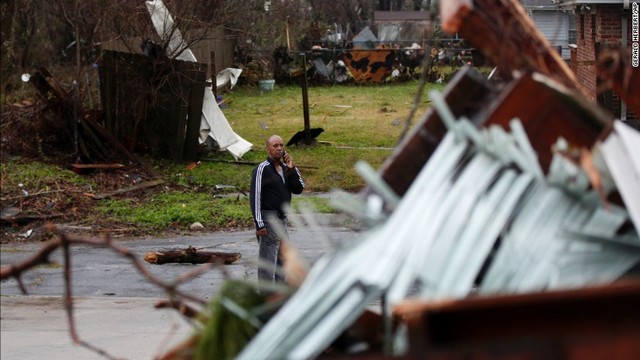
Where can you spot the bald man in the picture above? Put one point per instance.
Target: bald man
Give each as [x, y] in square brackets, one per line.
[272, 183]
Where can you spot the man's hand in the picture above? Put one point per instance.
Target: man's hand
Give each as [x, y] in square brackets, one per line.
[288, 160]
[261, 232]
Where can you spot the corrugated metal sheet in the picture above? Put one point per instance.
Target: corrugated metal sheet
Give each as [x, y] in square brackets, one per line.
[480, 200]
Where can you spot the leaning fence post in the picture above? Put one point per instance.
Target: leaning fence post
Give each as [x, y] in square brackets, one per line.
[305, 100]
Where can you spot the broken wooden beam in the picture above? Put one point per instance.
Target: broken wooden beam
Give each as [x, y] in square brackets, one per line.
[144, 185]
[598, 322]
[97, 166]
[105, 134]
[191, 255]
[504, 33]
[467, 93]
[547, 111]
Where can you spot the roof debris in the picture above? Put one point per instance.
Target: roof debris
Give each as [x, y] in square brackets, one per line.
[480, 218]
[527, 188]
[501, 192]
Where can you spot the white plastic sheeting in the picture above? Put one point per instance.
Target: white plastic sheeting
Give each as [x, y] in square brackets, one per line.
[214, 123]
[228, 76]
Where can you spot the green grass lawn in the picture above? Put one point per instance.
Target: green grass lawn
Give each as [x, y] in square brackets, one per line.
[360, 123]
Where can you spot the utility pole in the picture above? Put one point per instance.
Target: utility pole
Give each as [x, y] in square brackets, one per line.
[305, 100]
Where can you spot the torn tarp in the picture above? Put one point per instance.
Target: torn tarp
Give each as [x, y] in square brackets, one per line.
[213, 123]
[228, 76]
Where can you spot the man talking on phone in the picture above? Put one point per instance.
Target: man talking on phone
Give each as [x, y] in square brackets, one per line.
[272, 183]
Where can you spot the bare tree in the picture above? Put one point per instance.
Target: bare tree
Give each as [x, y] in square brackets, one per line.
[343, 12]
[188, 304]
[26, 30]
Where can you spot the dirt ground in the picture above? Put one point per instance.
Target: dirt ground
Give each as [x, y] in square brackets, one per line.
[65, 203]
[69, 206]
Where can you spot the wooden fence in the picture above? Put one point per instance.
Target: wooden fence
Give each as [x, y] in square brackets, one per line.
[153, 106]
[216, 48]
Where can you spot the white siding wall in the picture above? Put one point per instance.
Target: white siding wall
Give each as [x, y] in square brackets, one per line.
[554, 24]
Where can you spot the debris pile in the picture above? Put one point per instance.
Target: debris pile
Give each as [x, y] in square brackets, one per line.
[482, 218]
[256, 70]
[514, 202]
[214, 123]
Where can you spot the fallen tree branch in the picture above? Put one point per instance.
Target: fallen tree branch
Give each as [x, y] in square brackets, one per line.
[42, 257]
[144, 185]
[18, 218]
[65, 241]
[190, 255]
[97, 166]
[38, 194]
[183, 308]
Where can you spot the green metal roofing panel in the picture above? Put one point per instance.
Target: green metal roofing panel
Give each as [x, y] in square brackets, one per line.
[481, 190]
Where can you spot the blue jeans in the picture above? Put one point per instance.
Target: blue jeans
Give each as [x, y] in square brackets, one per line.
[269, 251]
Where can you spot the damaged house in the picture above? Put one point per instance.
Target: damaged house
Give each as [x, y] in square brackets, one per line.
[152, 121]
[506, 224]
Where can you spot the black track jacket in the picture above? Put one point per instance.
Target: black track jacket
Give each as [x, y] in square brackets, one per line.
[269, 192]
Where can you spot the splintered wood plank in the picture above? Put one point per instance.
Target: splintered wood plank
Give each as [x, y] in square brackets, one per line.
[547, 111]
[144, 185]
[97, 166]
[600, 322]
[466, 93]
[504, 33]
[452, 14]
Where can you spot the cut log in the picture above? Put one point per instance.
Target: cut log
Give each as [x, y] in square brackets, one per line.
[504, 33]
[190, 255]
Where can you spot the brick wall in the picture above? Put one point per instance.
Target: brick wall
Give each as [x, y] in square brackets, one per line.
[598, 28]
[586, 53]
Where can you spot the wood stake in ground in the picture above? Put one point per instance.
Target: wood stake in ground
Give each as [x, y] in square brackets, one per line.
[190, 255]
